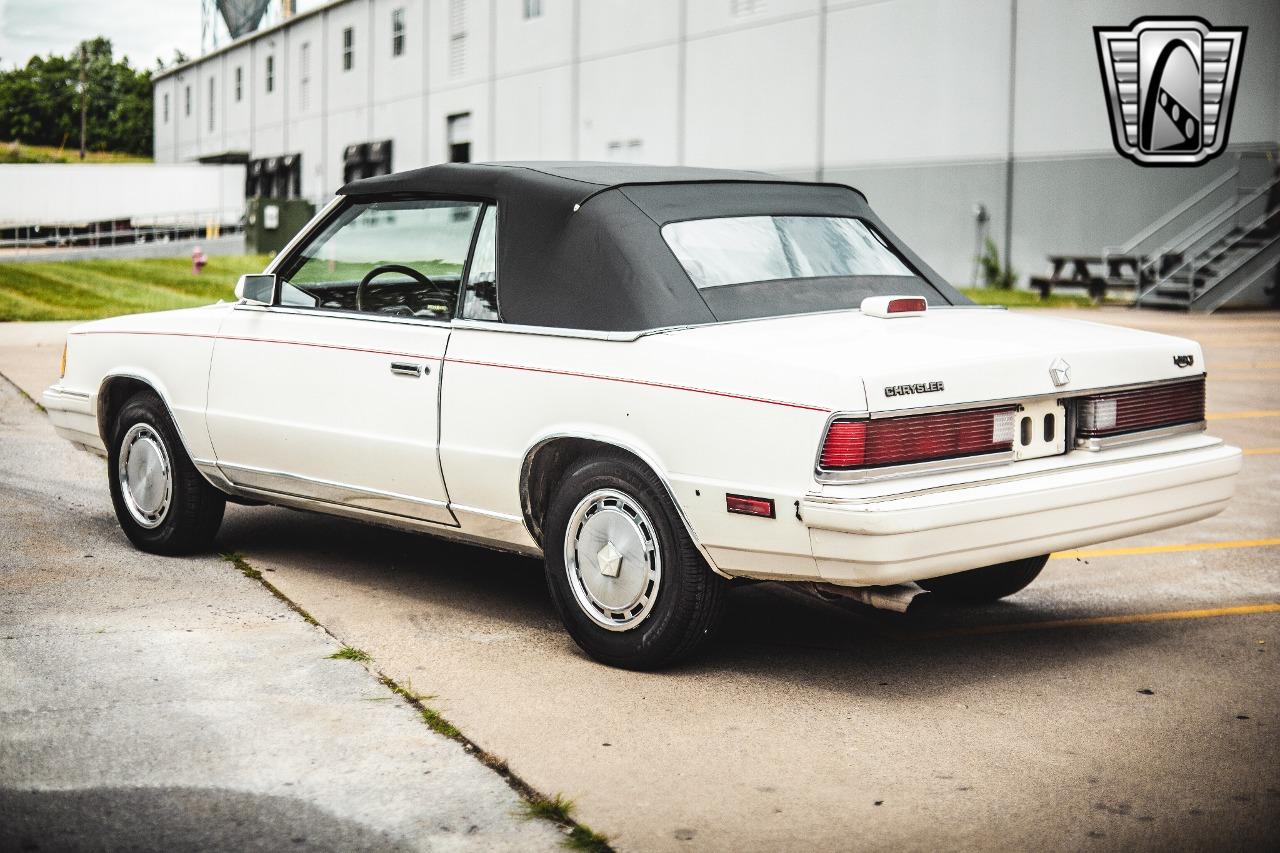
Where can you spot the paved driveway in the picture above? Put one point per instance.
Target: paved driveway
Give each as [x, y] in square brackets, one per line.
[1128, 698]
[157, 704]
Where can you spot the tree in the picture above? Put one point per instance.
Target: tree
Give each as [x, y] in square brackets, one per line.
[40, 103]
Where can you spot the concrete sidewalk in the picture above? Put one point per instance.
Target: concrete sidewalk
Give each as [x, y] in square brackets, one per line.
[150, 703]
[30, 354]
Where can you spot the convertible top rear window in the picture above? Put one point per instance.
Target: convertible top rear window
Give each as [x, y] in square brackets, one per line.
[743, 249]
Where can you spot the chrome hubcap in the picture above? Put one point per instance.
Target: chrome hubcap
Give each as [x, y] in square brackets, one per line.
[612, 559]
[146, 478]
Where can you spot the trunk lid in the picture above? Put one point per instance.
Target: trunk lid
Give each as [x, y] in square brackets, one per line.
[849, 361]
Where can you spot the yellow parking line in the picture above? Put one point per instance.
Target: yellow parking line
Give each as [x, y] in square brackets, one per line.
[1163, 549]
[1261, 451]
[1120, 619]
[1245, 365]
[1230, 416]
[1236, 343]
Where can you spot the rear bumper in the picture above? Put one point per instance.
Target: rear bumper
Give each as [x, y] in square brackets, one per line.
[73, 417]
[869, 540]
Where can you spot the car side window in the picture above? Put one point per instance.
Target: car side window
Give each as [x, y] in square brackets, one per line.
[401, 258]
[480, 296]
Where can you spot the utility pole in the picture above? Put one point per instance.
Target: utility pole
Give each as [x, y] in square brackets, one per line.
[84, 102]
[1008, 162]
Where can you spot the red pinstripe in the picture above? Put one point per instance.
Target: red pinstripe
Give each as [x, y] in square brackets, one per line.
[641, 382]
[546, 370]
[267, 341]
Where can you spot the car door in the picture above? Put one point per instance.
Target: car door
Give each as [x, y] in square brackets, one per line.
[332, 392]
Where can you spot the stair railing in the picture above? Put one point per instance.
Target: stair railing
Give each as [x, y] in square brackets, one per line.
[1247, 232]
[1227, 217]
[1131, 245]
[1215, 296]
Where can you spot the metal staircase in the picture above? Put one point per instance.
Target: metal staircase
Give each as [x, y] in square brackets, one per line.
[1211, 247]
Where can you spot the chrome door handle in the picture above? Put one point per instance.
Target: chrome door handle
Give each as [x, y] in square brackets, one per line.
[404, 368]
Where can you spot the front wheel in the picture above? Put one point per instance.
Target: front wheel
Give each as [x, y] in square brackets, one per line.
[626, 579]
[163, 504]
[988, 583]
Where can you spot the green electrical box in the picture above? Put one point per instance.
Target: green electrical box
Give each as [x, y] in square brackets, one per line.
[272, 222]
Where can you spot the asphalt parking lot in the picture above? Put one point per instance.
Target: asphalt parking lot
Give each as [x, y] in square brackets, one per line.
[1129, 698]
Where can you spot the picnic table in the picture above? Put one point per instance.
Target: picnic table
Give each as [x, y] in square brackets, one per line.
[1094, 274]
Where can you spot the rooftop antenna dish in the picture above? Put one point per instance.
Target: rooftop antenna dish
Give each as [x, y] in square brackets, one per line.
[242, 16]
[239, 16]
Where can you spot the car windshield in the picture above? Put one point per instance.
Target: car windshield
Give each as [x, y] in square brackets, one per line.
[743, 249]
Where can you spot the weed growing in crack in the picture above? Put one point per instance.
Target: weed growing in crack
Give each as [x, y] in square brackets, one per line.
[350, 653]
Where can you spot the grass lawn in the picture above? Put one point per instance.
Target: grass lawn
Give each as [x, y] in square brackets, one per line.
[11, 152]
[1024, 298]
[87, 290]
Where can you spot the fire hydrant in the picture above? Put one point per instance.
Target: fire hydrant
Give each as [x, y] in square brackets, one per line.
[198, 260]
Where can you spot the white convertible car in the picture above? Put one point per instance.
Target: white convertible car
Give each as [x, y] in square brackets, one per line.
[658, 380]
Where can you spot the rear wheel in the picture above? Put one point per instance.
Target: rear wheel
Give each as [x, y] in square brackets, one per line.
[628, 582]
[163, 504]
[988, 583]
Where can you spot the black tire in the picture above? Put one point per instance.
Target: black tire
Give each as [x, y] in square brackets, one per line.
[194, 510]
[689, 597]
[988, 583]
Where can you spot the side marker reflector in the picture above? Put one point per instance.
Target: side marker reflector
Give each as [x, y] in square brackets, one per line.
[743, 505]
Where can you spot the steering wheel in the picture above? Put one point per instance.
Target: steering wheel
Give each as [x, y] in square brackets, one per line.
[436, 291]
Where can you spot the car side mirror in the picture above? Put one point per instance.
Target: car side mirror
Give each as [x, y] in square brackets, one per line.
[256, 288]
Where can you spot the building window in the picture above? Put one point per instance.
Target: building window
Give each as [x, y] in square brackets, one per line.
[304, 75]
[742, 8]
[532, 9]
[271, 74]
[397, 32]
[458, 135]
[186, 103]
[457, 37]
[239, 82]
[348, 48]
[166, 107]
[211, 103]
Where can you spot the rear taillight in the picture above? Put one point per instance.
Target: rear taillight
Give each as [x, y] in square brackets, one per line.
[845, 445]
[916, 438]
[1116, 412]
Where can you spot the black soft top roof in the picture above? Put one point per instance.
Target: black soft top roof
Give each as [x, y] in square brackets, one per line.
[580, 243]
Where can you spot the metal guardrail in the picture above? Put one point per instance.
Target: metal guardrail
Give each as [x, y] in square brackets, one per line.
[151, 229]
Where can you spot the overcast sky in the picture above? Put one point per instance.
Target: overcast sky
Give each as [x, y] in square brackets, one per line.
[141, 29]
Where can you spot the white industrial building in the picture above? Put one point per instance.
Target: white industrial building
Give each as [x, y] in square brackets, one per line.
[931, 107]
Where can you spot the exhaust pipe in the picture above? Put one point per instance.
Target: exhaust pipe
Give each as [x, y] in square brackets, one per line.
[896, 598]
